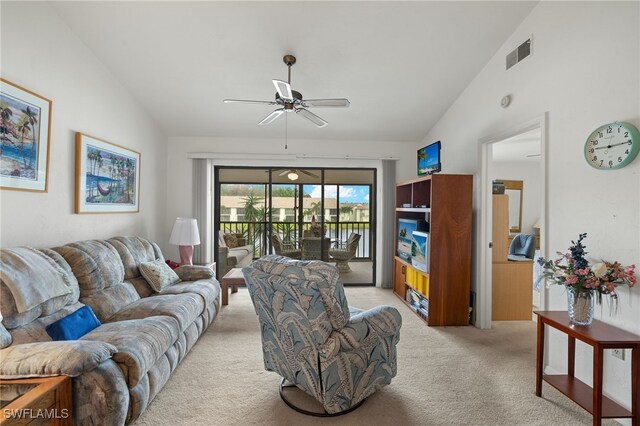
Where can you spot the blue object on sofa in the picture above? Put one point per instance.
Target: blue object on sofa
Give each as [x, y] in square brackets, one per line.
[313, 339]
[522, 247]
[74, 326]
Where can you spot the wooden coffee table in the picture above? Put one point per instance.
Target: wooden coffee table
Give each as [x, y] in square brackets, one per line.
[41, 400]
[233, 279]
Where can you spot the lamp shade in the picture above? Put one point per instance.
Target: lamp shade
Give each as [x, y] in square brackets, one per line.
[185, 232]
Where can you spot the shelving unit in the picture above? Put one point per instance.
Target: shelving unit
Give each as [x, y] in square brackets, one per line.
[445, 202]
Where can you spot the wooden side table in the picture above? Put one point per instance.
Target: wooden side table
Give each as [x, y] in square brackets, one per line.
[600, 336]
[36, 400]
[233, 279]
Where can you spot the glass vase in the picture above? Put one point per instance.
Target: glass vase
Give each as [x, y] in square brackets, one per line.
[580, 307]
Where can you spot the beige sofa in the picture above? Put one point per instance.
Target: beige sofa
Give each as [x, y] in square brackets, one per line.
[236, 257]
[120, 366]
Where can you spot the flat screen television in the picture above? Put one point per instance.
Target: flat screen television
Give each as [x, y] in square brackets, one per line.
[405, 236]
[429, 159]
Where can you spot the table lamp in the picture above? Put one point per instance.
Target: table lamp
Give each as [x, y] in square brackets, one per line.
[185, 235]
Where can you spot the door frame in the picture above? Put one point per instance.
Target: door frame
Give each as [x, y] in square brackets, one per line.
[484, 287]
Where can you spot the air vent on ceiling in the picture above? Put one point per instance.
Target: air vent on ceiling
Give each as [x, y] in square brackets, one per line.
[519, 53]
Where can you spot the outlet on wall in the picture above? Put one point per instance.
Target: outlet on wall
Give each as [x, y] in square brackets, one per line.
[618, 353]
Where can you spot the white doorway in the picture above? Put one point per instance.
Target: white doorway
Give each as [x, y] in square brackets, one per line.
[525, 143]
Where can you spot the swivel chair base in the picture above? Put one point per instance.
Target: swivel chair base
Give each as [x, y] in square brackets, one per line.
[313, 413]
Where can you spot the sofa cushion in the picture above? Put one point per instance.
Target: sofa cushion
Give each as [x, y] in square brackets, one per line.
[184, 308]
[158, 274]
[209, 290]
[133, 251]
[43, 359]
[111, 300]
[140, 343]
[96, 264]
[240, 256]
[74, 325]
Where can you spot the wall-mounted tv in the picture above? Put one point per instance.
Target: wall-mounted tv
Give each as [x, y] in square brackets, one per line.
[429, 159]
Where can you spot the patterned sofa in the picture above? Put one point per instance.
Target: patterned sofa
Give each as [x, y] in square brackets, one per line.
[337, 354]
[120, 366]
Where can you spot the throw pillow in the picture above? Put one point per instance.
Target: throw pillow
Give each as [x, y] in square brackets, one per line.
[194, 272]
[231, 240]
[73, 326]
[158, 274]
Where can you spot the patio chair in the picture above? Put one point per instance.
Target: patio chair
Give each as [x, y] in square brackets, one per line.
[289, 249]
[344, 251]
[314, 340]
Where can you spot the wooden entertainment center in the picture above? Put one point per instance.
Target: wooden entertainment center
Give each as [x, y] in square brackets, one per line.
[445, 202]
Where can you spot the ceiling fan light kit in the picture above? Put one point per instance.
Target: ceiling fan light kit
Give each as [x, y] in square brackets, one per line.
[290, 100]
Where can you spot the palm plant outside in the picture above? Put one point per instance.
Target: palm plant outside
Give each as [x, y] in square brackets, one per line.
[254, 211]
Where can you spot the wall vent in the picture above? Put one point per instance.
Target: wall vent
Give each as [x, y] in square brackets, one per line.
[519, 53]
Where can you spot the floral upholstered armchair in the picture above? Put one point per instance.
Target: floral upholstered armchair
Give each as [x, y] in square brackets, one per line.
[337, 354]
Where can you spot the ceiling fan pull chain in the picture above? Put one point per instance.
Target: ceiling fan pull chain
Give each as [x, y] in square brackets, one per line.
[286, 129]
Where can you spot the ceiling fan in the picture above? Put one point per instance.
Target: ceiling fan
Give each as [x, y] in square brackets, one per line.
[293, 174]
[292, 101]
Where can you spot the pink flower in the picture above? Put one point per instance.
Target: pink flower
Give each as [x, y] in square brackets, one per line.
[570, 280]
[584, 271]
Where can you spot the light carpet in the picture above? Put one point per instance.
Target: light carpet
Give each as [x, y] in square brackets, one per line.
[446, 375]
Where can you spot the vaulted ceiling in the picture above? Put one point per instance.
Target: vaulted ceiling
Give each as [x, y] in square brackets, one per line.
[401, 64]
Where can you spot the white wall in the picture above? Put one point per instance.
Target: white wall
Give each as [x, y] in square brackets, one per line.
[40, 52]
[530, 174]
[180, 169]
[585, 72]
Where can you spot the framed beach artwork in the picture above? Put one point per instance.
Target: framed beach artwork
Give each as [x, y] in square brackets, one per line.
[107, 177]
[25, 123]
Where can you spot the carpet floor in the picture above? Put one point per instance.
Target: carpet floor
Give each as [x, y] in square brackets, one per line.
[446, 375]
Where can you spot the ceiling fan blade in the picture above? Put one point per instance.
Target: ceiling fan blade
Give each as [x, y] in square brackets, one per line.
[327, 103]
[271, 117]
[311, 117]
[286, 172]
[243, 101]
[284, 90]
[308, 173]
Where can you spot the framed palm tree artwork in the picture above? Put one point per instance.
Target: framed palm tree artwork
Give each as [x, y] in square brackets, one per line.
[107, 177]
[25, 123]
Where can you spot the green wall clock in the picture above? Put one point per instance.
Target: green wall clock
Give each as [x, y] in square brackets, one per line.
[612, 146]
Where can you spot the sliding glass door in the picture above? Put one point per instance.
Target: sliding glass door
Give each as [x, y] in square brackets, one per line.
[309, 214]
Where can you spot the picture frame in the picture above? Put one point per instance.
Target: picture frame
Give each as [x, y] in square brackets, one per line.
[107, 177]
[25, 134]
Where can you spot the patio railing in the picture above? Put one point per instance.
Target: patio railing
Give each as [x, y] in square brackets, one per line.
[256, 234]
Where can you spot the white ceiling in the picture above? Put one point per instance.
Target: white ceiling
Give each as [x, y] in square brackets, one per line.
[401, 64]
[523, 147]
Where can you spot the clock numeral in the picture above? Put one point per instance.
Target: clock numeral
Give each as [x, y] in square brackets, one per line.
[619, 159]
[595, 158]
[626, 152]
[595, 142]
[600, 134]
[619, 129]
[629, 142]
[626, 134]
[601, 161]
[592, 150]
[610, 163]
[609, 129]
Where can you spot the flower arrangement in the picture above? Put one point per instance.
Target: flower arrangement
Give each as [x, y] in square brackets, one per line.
[583, 279]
